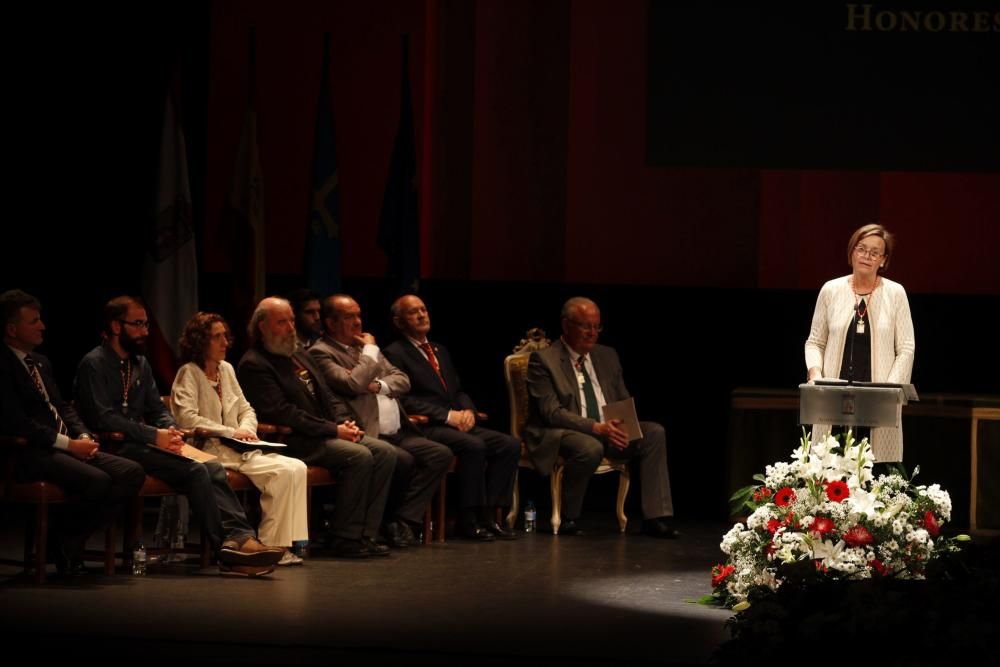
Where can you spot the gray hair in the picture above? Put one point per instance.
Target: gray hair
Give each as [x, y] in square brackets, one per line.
[261, 312]
[576, 302]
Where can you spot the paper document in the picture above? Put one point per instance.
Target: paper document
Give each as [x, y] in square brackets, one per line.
[625, 412]
[244, 445]
[196, 454]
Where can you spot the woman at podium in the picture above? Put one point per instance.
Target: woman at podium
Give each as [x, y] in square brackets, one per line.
[861, 329]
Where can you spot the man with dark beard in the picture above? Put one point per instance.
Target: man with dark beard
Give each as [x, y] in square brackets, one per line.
[285, 386]
[116, 392]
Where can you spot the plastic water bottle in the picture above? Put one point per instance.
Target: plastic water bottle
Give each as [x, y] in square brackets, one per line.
[529, 517]
[139, 561]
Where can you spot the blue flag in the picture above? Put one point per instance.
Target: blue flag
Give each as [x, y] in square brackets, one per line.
[323, 232]
[399, 225]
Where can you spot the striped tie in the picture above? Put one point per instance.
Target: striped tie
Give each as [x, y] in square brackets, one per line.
[37, 377]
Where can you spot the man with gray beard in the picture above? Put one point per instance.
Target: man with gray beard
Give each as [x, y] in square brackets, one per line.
[285, 387]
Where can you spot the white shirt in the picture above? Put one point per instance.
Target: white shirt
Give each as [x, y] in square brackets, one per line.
[588, 364]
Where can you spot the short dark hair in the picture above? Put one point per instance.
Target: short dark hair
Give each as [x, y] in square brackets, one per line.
[197, 332]
[329, 305]
[298, 298]
[117, 308]
[11, 303]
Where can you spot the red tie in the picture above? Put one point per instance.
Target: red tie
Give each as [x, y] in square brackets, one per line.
[426, 347]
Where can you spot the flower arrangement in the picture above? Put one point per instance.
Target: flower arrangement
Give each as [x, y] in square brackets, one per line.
[824, 515]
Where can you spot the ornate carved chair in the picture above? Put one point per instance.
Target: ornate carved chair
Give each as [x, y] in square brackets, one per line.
[515, 370]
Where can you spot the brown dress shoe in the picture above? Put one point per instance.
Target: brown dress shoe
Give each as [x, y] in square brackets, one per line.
[245, 570]
[249, 552]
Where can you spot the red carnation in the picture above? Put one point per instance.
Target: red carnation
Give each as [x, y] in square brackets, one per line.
[931, 524]
[773, 525]
[858, 536]
[720, 572]
[877, 565]
[821, 525]
[784, 497]
[837, 491]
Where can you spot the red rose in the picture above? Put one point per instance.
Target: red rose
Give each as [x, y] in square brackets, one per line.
[877, 565]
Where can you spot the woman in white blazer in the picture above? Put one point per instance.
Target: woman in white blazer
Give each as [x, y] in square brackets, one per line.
[862, 330]
[206, 395]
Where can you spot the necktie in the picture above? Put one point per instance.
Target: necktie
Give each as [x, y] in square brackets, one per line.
[426, 347]
[588, 389]
[37, 377]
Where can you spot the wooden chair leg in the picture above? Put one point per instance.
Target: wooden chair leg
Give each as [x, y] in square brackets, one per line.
[41, 541]
[206, 552]
[515, 502]
[623, 484]
[556, 490]
[441, 518]
[428, 515]
[109, 550]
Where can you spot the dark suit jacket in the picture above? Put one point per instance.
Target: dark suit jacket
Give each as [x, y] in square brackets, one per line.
[350, 379]
[279, 397]
[427, 395]
[24, 410]
[555, 398]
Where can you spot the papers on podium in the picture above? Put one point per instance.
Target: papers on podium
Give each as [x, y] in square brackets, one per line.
[624, 411]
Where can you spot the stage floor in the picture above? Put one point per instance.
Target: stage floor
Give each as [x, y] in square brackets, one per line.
[601, 598]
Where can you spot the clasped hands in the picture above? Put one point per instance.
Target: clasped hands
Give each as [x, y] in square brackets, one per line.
[611, 430]
[463, 420]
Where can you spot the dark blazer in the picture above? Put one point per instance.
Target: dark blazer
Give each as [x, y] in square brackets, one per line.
[24, 410]
[555, 398]
[277, 395]
[427, 395]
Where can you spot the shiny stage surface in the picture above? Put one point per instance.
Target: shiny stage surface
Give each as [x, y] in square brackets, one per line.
[601, 598]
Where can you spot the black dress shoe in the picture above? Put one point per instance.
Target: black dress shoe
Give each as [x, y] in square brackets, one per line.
[475, 532]
[374, 548]
[406, 533]
[499, 531]
[344, 548]
[570, 528]
[394, 535]
[659, 528]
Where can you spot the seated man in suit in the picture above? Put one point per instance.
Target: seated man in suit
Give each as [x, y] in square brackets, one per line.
[355, 369]
[570, 382]
[487, 459]
[284, 385]
[60, 448]
[116, 392]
